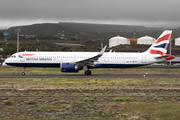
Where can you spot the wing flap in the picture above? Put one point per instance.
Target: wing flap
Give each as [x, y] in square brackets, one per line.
[90, 61]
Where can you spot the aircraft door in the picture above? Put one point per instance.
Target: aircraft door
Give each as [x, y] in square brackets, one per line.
[106, 58]
[143, 58]
[22, 59]
[74, 58]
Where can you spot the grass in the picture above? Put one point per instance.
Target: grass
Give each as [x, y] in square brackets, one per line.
[18, 70]
[89, 97]
[89, 82]
[165, 111]
[120, 110]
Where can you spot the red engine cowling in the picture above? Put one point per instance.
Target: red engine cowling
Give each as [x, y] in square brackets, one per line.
[170, 57]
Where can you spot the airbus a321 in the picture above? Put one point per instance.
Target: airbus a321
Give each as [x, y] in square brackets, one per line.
[75, 61]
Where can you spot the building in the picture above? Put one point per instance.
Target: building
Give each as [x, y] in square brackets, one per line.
[115, 41]
[177, 41]
[146, 40]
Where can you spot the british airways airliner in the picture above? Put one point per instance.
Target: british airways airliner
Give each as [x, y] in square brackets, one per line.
[75, 61]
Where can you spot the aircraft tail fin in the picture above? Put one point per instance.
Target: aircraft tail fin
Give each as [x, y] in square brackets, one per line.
[161, 44]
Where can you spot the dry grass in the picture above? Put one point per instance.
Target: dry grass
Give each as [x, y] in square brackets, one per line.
[90, 98]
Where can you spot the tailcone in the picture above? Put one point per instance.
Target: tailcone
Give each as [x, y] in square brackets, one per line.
[170, 57]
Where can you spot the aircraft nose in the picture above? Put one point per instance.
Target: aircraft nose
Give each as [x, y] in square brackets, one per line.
[7, 60]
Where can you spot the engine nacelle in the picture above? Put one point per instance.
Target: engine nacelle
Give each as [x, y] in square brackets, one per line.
[69, 67]
[170, 57]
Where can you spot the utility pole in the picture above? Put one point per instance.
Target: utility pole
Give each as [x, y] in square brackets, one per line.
[18, 30]
[170, 52]
[5, 34]
[101, 46]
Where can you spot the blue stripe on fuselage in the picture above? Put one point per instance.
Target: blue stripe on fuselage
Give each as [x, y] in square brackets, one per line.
[117, 65]
[58, 65]
[34, 64]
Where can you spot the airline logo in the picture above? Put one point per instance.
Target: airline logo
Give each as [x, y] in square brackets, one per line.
[161, 44]
[24, 55]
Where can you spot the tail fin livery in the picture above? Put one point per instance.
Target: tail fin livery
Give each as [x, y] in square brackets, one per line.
[161, 44]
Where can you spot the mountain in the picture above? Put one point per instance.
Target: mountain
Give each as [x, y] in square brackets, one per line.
[47, 29]
[88, 31]
[53, 28]
[84, 27]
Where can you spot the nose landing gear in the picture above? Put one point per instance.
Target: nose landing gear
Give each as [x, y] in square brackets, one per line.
[23, 73]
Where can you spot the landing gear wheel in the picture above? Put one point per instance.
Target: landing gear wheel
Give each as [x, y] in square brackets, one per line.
[87, 72]
[23, 73]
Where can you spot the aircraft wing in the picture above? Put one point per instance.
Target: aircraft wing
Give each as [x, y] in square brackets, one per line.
[90, 61]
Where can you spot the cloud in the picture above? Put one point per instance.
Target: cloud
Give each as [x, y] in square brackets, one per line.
[136, 12]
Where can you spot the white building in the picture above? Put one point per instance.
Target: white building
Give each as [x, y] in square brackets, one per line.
[177, 41]
[146, 40]
[117, 41]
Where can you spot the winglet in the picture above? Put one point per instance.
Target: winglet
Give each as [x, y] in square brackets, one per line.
[102, 51]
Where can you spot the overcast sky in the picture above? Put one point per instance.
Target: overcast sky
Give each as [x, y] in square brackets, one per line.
[123, 12]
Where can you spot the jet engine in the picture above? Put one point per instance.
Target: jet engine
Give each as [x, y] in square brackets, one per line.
[69, 67]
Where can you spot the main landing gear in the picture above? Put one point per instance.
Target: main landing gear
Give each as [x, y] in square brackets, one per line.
[87, 72]
[23, 73]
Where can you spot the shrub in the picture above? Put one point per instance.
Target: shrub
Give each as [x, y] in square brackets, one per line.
[86, 99]
[62, 101]
[95, 97]
[53, 103]
[63, 113]
[155, 98]
[119, 99]
[122, 99]
[128, 98]
[7, 102]
[31, 102]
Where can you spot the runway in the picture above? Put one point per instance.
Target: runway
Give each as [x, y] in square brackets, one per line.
[93, 76]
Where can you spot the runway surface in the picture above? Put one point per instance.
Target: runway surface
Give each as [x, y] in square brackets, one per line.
[93, 76]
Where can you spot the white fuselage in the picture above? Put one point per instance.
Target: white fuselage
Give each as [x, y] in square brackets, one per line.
[107, 60]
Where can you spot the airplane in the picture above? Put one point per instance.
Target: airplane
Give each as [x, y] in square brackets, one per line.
[75, 61]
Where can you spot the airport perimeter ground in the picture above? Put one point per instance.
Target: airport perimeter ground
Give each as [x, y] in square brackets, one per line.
[137, 93]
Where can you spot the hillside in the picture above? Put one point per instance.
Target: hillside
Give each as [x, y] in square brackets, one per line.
[84, 27]
[47, 29]
[72, 29]
[86, 31]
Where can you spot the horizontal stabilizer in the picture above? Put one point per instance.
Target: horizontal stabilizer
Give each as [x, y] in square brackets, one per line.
[167, 57]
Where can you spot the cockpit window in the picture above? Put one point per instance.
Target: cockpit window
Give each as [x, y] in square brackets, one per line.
[13, 56]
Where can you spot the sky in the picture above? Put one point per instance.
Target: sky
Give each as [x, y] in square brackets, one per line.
[149, 13]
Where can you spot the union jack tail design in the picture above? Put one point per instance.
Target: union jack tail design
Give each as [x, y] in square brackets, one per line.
[161, 44]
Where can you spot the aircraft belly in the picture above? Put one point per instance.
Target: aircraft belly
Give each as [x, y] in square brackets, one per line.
[117, 65]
